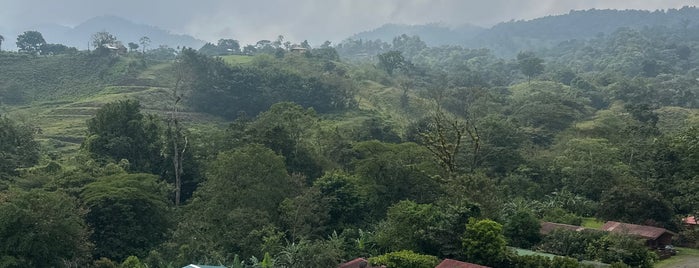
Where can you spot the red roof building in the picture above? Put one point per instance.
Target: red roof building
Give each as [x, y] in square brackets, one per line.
[691, 220]
[449, 263]
[655, 236]
[356, 263]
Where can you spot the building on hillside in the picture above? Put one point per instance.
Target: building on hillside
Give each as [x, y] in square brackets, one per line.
[449, 263]
[655, 237]
[298, 49]
[358, 263]
[690, 221]
[548, 227]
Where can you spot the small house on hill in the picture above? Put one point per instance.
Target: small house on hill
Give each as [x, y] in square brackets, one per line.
[449, 263]
[690, 221]
[548, 227]
[655, 237]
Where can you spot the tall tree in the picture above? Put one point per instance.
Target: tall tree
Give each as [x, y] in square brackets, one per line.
[133, 46]
[42, 229]
[2, 38]
[484, 243]
[530, 64]
[17, 147]
[391, 61]
[144, 41]
[30, 41]
[129, 214]
[120, 131]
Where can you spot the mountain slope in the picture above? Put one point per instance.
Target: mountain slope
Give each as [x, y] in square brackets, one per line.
[125, 31]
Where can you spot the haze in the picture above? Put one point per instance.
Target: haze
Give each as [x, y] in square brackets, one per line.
[297, 20]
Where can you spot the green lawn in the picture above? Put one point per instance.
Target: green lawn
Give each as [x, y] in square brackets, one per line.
[685, 258]
[592, 223]
[236, 59]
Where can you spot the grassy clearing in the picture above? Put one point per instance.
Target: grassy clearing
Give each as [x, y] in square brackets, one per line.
[237, 59]
[592, 223]
[526, 252]
[685, 258]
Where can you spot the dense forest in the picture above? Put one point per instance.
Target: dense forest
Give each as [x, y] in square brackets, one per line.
[277, 154]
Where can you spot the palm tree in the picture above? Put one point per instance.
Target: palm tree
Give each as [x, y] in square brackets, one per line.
[2, 38]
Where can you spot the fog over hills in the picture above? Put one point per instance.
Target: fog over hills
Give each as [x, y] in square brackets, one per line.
[125, 31]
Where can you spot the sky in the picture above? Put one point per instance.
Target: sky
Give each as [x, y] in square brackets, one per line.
[315, 20]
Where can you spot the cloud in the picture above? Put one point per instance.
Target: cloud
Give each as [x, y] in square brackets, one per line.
[315, 20]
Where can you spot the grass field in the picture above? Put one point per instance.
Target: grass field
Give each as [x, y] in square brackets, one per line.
[685, 258]
[237, 59]
[592, 223]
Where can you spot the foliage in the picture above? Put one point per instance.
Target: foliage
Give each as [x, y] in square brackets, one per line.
[484, 242]
[405, 259]
[42, 229]
[17, 147]
[229, 91]
[522, 229]
[622, 248]
[120, 131]
[30, 42]
[529, 64]
[131, 212]
[236, 182]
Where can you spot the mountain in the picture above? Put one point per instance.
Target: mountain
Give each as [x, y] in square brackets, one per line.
[125, 31]
[433, 34]
[508, 38]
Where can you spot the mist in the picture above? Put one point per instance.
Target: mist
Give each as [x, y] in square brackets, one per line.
[314, 20]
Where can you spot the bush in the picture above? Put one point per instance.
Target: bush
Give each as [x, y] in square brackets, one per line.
[405, 259]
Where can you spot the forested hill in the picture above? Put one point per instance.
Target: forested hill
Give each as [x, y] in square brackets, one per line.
[283, 155]
[433, 34]
[508, 38]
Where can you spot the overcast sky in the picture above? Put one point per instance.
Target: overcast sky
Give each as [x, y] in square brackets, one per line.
[315, 20]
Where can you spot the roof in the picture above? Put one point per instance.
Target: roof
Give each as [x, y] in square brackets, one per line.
[356, 263]
[202, 266]
[548, 227]
[648, 232]
[449, 263]
[691, 220]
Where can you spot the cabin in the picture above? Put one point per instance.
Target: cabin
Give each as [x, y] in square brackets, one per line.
[449, 263]
[655, 237]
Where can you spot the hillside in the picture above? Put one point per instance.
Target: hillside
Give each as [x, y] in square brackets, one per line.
[403, 152]
[125, 31]
[506, 39]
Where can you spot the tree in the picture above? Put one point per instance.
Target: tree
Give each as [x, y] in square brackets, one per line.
[144, 41]
[237, 192]
[102, 39]
[119, 131]
[484, 243]
[530, 65]
[391, 61]
[133, 46]
[2, 38]
[428, 228]
[228, 46]
[129, 213]
[30, 42]
[42, 229]
[522, 229]
[17, 147]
